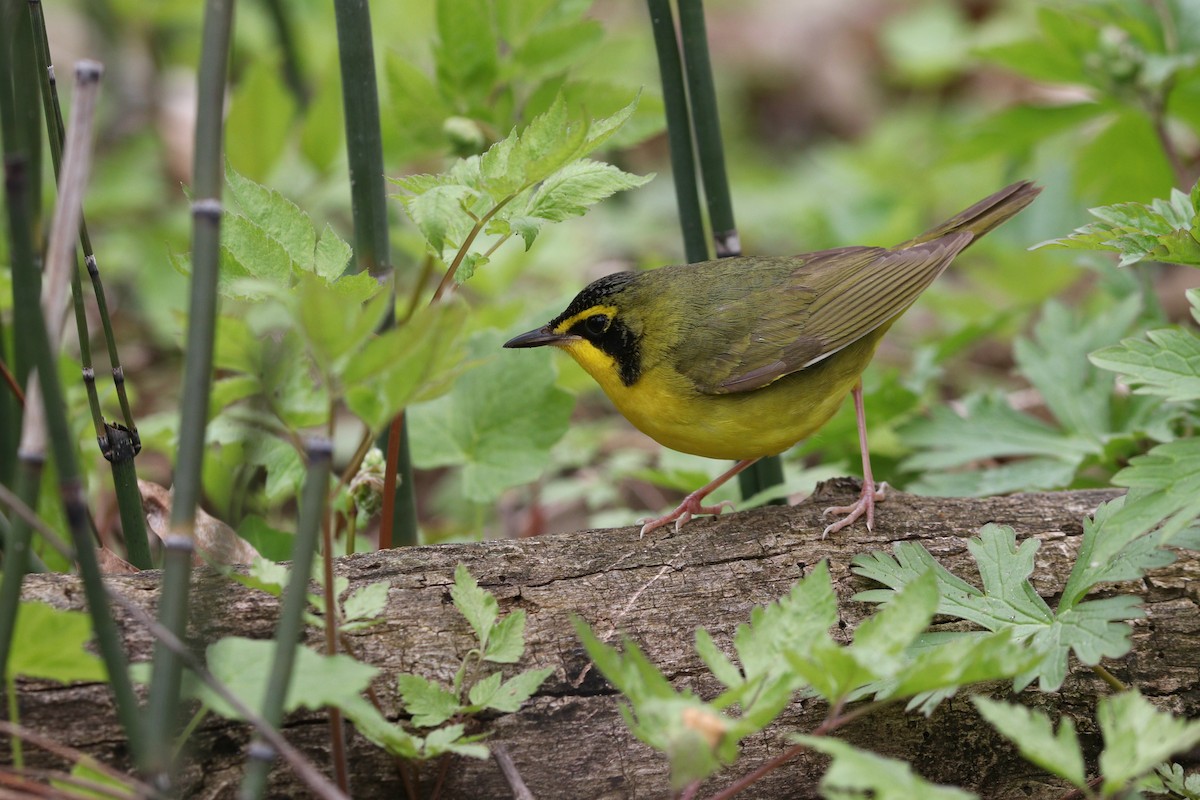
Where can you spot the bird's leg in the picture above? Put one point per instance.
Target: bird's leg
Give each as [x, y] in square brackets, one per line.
[691, 504]
[870, 495]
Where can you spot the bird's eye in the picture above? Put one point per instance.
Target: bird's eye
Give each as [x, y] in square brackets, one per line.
[596, 325]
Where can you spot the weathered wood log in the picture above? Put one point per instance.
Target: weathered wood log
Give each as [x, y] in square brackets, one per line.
[569, 740]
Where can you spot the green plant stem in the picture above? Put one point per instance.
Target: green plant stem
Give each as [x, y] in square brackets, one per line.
[119, 445]
[679, 130]
[368, 198]
[165, 679]
[1113, 681]
[337, 729]
[317, 783]
[291, 615]
[293, 69]
[47, 390]
[14, 717]
[703, 121]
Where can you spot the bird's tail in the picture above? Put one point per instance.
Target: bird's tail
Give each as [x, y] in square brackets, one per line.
[983, 216]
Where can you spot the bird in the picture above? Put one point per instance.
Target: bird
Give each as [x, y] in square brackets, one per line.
[741, 358]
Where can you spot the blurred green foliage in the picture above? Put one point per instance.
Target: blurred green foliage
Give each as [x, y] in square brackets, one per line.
[1095, 100]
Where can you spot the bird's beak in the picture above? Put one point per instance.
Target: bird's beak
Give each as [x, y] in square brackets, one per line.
[538, 337]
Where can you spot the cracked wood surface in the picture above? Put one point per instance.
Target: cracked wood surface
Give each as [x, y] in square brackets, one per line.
[569, 741]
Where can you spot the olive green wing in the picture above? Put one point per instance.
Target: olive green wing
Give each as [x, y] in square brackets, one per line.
[826, 302]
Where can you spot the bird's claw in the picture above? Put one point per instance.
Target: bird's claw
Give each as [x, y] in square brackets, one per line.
[690, 506]
[865, 505]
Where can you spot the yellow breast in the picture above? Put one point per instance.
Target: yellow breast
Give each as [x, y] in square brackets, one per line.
[665, 405]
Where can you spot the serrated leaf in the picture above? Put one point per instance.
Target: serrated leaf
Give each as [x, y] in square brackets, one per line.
[367, 602]
[1033, 733]
[1137, 737]
[507, 642]
[53, 645]
[497, 423]
[477, 605]
[438, 214]
[412, 362]
[1054, 360]
[508, 697]
[248, 251]
[332, 255]
[991, 429]
[572, 189]
[1166, 363]
[379, 730]
[939, 665]
[857, 773]
[452, 739]
[1091, 630]
[1164, 230]
[429, 702]
[881, 641]
[279, 218]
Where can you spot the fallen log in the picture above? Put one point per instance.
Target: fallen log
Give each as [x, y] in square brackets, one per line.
[569, 740]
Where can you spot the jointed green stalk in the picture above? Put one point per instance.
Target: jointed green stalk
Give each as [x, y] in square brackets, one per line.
[364, 145]
[118, 444]
[291, 616]
[702, 119]
[197, 380]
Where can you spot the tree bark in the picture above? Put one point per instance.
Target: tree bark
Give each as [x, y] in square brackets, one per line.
[569, 741]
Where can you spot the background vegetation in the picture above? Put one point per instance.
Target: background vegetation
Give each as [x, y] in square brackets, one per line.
[843, 124]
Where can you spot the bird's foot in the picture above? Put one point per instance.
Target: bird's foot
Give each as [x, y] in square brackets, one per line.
[684, 511]
[865, 505]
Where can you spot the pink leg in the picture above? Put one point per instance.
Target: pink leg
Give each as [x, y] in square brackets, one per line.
[870, 495]
[691, 504]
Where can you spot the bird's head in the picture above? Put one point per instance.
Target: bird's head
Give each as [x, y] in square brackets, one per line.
[601, 329]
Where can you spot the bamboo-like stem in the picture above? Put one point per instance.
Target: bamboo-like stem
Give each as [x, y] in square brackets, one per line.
[317, 783]
[118, 444]
[47, 390]
[364, 147]
[705, 123]
[291, 615]
[165, 678]
[679, 131]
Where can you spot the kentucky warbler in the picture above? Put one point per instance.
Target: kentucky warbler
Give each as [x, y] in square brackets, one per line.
[743, 357]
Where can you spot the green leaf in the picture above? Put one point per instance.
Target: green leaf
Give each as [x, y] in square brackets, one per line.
[506, 644]
[498, 423]
[557, 47]
[248, 251]
[991, 429]
[330, 329]
[259, 119]
[366, 604]
[1025, 475]
[508, 697]
[323, 129]
[411, 362]
[429, 702]
[941, 664]
[332, 255]
[1091, 630]
[466, 51]
[1054, 361]
[570, 190]
[452, 739]
[244, 665]
[1163, 230]
[1137, 737]
[857, 773]
[416, 111]
[279, 218]
[478, 606]
[1166, 363]
[438, 214]
[50, 644]
[379, 730]
[1033, 734]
